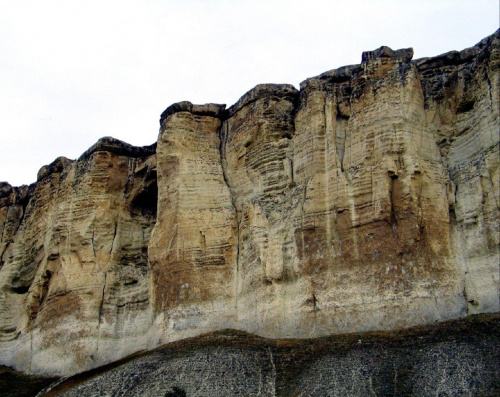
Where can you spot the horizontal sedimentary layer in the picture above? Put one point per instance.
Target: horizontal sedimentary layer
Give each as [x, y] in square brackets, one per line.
[366, 200]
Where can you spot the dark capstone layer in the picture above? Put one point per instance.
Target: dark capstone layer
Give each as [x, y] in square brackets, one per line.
[262, 91]
[209, 109]
[5, 190]
[440, 75]
[219, 111]
[107, 144]
[121, 148]
[454, 58]
[56, 167]
[403, 55]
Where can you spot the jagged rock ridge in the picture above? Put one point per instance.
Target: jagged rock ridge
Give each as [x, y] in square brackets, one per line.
[368, 199]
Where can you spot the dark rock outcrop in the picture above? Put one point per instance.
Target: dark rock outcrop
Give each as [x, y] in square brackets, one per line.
[453, 358]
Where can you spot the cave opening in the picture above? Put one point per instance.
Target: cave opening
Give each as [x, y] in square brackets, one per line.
[145, 203]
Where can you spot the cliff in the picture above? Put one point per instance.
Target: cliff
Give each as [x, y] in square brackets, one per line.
[367, 200]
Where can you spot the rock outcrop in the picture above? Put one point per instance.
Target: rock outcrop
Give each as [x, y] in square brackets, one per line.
[457, 357]
[75, 273]
[368, 199]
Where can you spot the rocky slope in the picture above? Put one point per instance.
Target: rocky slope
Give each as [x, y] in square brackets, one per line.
[366, 200]
[454, 358]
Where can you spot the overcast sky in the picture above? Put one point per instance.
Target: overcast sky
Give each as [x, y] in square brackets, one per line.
[74, 71]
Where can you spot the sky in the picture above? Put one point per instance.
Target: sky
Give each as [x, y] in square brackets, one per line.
[72, 72]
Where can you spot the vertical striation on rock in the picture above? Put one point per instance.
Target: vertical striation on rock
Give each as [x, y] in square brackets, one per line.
[368, 199]
[257, 154]
[462, 101]
[75, 279]
[375, 208]
[192, 250]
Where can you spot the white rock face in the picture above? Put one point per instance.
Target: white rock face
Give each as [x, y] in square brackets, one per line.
[367, 200]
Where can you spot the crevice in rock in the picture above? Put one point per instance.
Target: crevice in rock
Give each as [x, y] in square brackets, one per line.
[466, 298]
[453, 215]
[130, 177]
[392, 193]
[99, 318]
[2, 262]
[340, 138]
[93, 244]
[38, 294]
[24, 205]
[273, 371]
[45, 286]
[313, 302]
[223, 136]
[114, 238]
[488, 81]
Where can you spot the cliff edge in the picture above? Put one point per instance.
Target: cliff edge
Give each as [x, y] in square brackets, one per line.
[367, 200]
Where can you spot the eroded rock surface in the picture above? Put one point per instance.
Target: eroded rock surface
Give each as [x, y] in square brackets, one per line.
[368, 199]
[75, 275]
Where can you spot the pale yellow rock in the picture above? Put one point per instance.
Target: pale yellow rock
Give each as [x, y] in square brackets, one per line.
[368, 199]
[192, 251]
[76, 275]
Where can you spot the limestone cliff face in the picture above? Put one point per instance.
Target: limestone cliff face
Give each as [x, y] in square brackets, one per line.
[368, 199]
[75, 276]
